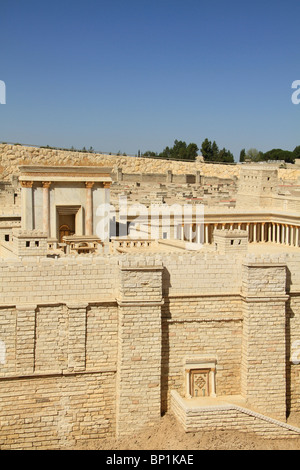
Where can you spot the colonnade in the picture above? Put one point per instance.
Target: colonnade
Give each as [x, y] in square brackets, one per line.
[258, 232]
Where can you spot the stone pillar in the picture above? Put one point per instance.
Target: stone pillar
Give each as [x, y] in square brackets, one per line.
[46, 208]
[190, 232]
[254, 232]
[138, 401]
[278, 233]
[287, 235]
[119, 174]
[269, 233]
[206, 241]
[77, 337]
[169, 176]
[198, 177]
[26, 205]
[89, 209]
[248, 231]
[182, 232]
[25, 339]
[297, 237]
[274, 232]
[198, 233]
[263, 235]
[263, 371]
[283, 234]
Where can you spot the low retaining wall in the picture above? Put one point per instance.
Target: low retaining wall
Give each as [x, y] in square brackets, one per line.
[229, 417]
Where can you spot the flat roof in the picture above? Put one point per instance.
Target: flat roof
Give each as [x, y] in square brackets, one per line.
[64, 173]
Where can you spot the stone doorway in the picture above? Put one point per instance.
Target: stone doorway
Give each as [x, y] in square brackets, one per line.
[199, 383]
[66, 226]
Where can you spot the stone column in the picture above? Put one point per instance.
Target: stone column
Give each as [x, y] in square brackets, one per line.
[182, 232]
[212, 384]
[206, 234]
[292, 235]
[254, 232]
[46, 208]
[248, 231]
[263, 373]
[274, 232]
[119, 174]
[169, 176]
[26, 205]
[263, 236]
[297, 237]
[284, 234]
[198, 233]
[270, 233]
[138, 400]
[287, 235]
[278, 233]
[89, 209]
[191, 232]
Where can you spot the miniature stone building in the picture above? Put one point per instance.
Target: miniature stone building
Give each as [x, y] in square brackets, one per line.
[235, 241]
[62, 201]
[102, 344]
[29, 243]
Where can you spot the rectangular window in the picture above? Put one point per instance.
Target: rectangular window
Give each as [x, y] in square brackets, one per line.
[6, 238]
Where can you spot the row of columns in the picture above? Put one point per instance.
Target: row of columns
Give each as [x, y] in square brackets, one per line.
[258, 232]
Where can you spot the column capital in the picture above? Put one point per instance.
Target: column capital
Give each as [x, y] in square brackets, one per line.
[46, 184]
[89, 184]
[106, 184]
[26, 184]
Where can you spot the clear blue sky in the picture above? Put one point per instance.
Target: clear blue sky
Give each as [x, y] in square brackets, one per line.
[136, 75]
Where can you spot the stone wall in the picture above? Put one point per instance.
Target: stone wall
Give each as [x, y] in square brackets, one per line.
[229, 417]
[11, 156]
[94, 346]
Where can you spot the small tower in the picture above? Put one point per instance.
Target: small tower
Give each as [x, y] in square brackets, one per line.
[231, 241]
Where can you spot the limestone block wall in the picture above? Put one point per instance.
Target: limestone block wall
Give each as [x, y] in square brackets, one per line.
[57, 374]
[62, 280]
[139, 345]
[264, 337]
[293, 332]
[201, 318]
[56, 411]
[93, 346]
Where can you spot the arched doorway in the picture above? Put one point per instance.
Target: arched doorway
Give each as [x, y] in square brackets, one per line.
[64, 231]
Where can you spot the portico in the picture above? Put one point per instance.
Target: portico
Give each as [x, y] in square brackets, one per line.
[63, 201]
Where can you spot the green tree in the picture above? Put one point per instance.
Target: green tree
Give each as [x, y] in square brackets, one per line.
[180, 151]
[254, 155]
[215, 152]
[225, 156]
[206, 150]
[296, 152]
[242, 155]
[149, 153]
[279, 154]
[211, 153]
